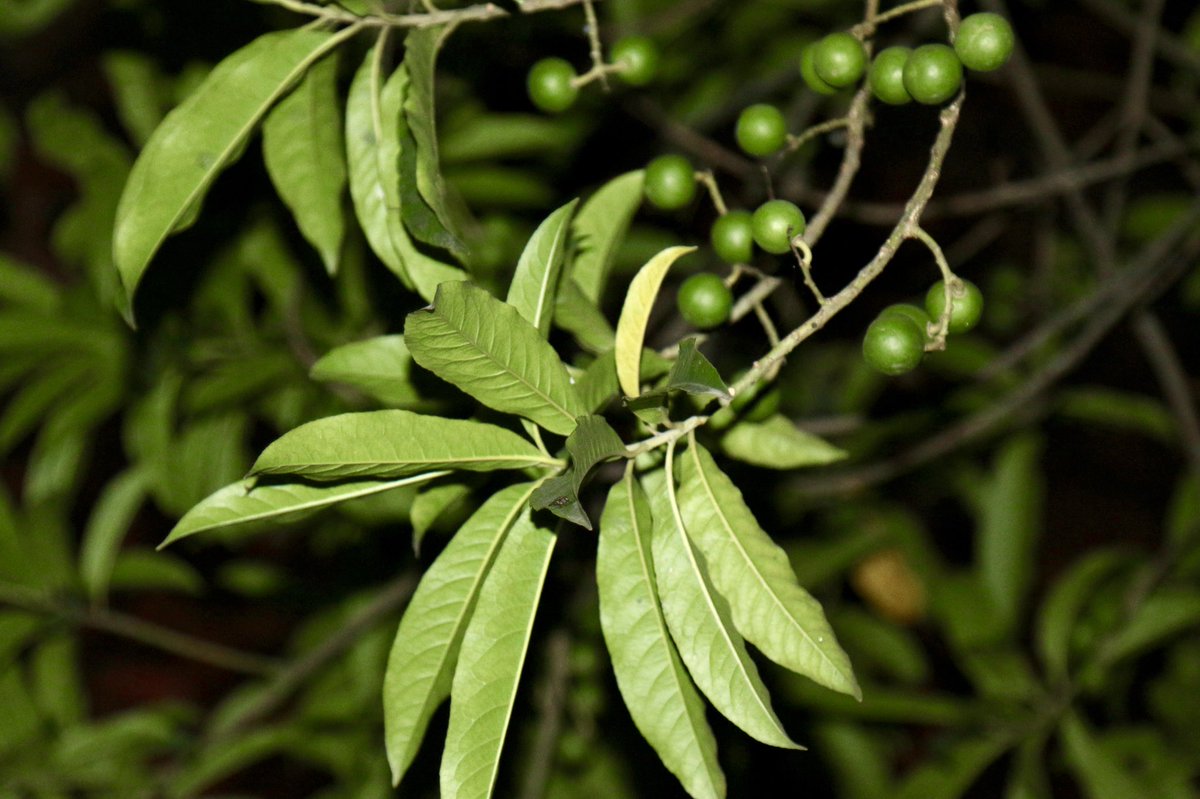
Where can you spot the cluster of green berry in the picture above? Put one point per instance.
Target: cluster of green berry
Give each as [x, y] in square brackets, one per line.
[554, 84]
[704, 299]
[895, 341]
[930, 74]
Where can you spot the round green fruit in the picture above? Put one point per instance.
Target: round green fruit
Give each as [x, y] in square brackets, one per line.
[887, 76]
[638, 58]
[839, 60]
[776, 223]
[966, 307]
[893, 344]
[551, 86]
[732, 237]
[933, 74]
[984, 42]
[761, 130]
[705, 301]
[670, 182]
[809, 72]
[918, 315]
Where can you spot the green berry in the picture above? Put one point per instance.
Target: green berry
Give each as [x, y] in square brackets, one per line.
[893, 344]
[670, 182]
[776, 222]
[984, 42]
[809, 73]
[550, 85]
[638, 57]
[966, 307]
[887, 76]
[917, 315]
[705, 301]
[761, 130]
[933, 74]
[732, 237]
[839, 60]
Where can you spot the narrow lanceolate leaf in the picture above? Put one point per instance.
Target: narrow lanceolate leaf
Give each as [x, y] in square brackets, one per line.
[654, 684]
[395, 443]
[582, 318]
[106, 529]
[377, 366]
[701, 625]
[235, 505]
[778, 444]
[693, 373]
[599, 229]
[490, 662]
[420, 57]
[635, 315]
[202, 136]
[535, 283]
[592, 441]
[1065, 601]
[769, 607]
[487, 349]
[425, 650]
[305, 156]
[1101, 775]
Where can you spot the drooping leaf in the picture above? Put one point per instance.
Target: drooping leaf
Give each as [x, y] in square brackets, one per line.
[579, 316]
[701, 624]
[377, 366]
[487, 349]
[591, 442]
[491, 660]
[106, 529]
[653, 682]
[535, 282]
[599, 229]
[1009, 525]
[139, 91]
[1167, 612]
[768, 605]
[373, 148]
[394, 443]
[305, 157]
[778, 444]
[1065, 601]
[237, 504]
[1101, 775]
[598, 383]
[421, 47]
[635, 315]
[202, 135]
[426, 646]
[694, 374]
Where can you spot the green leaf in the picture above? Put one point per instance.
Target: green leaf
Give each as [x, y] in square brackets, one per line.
[1183, 511]
[305, 156]
[1101, 775]
[535, 282]
[1065, 601]
[202, 136]
[147, 570]
[493, 137]
[22, 285]
[1167, 612]
[487, 349]
[591, 442]
[236, 504]
[139, 91]
[395, 443]
[768, 605]
[579, 316]
[1120, 410]
[1009, 524]
[110, 519]
[856, 759]
[599, 229]
[701, 624]
[635, 315]
[778, 444]
[380, 367]
[426, 646]
[598, 383]
[373, 149]
[431, 504]
[490, 662]
[954, 774]
[1028, 778]
[693, 373]
[661, 698]
[420, 57]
